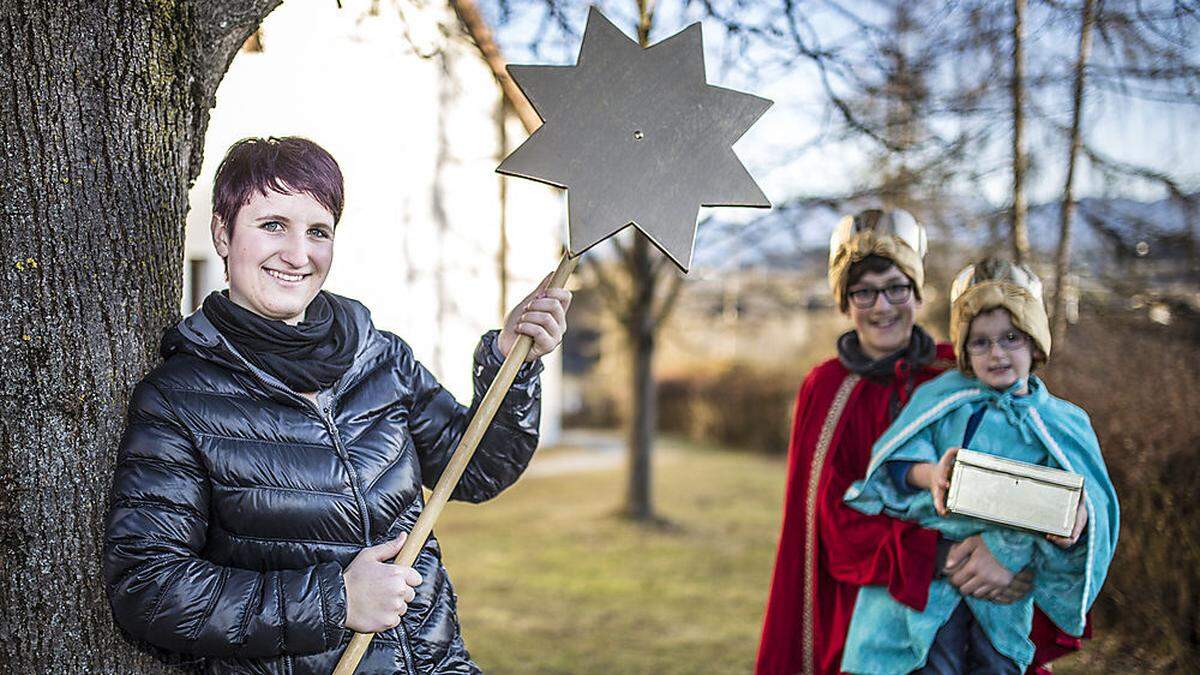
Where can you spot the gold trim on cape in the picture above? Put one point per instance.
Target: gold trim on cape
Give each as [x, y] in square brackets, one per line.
[810, 513]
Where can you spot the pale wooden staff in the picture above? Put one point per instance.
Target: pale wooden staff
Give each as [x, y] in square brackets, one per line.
[458, 463]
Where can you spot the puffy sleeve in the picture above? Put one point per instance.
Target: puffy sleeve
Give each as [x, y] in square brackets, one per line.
[438, 421]
[160, 588]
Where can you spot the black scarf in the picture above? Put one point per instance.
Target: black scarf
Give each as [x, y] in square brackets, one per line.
[307, 357]
[920, 352]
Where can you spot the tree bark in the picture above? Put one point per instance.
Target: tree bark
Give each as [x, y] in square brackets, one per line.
[641, 330]
[103, 108]
[1062, 261]
[1020, 230]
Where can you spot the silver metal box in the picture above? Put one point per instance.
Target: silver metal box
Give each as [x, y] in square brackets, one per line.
[1017, 494]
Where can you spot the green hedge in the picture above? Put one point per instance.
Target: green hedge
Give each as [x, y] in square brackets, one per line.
[731, 405]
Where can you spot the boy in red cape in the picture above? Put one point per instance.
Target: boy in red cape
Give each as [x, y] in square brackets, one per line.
[827, 550]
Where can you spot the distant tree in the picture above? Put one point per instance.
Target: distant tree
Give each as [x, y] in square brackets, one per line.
[1020, 209]
[938, 93]
[639, 287]
[1062, 259]
[641, 300]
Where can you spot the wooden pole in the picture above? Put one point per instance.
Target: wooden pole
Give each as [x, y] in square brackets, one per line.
[458, 463]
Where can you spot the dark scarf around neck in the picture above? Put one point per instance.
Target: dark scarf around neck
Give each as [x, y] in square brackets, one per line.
[919, 353]
[307, 357]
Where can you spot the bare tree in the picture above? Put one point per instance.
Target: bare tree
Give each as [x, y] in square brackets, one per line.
[1062, 259]
[639, 287]
[1020, 227]
[102, 120]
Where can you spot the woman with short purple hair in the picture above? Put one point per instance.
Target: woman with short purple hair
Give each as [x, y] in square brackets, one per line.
[273, 463]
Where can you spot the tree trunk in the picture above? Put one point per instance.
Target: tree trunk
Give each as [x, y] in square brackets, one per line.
[1020, 230]
[102, 120]
[641, 329]
[1062, 261]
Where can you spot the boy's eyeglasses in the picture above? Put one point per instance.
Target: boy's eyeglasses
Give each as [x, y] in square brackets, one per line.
[864, 298]
[1009, 342]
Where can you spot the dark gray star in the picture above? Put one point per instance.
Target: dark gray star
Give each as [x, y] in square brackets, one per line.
[637, 137]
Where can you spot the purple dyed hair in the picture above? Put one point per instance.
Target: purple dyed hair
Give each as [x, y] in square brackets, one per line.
[287, 165]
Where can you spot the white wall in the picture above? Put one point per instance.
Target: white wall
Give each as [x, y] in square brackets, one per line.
[411, 116]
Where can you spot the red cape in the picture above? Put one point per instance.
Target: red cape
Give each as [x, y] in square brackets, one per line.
[828, 550]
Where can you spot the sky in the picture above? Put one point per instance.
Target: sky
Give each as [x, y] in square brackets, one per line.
[789, 150]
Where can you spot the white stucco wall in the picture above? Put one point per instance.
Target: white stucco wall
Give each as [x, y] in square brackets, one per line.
[409, 109]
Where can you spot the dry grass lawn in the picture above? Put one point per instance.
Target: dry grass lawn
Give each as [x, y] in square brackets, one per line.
[550, 580]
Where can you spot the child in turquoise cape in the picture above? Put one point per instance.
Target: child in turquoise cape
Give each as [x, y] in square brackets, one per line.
[992, 404]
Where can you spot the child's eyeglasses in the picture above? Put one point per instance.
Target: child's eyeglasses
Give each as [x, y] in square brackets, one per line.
[1009, 342]
[864, 298]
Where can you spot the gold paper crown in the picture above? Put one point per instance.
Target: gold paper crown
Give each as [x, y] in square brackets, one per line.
[994, 283]
[893, 234]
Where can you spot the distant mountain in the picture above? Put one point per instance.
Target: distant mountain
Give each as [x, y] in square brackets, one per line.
[1115, 226]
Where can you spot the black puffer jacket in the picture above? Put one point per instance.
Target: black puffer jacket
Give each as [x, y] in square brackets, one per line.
[237, 503]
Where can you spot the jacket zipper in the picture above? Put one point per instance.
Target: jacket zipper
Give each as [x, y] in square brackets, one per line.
[326, 418]
[359, 500]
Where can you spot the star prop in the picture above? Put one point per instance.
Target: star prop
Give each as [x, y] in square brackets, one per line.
[637, 137]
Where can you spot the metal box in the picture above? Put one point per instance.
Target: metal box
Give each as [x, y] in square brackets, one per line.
[1017, 494]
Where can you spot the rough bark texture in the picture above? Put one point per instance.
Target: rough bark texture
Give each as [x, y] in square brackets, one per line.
[103, 108]
[1062, 261]
[1020, 231]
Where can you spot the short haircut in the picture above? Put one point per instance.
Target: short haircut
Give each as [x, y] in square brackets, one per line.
[287, 165]
[872, 264]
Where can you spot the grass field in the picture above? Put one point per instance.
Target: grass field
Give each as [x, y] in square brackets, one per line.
[550, 580]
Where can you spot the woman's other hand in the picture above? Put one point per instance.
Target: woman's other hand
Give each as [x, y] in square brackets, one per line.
[378, 592]
[542, 315]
